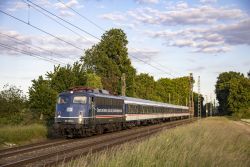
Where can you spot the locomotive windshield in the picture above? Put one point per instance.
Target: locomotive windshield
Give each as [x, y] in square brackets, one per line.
[63, 100]
[80, 99]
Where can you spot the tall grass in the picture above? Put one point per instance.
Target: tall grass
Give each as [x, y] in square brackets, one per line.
[22, 133]
[209, 142]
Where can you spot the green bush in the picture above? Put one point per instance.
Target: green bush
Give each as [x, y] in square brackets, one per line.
[20, 134]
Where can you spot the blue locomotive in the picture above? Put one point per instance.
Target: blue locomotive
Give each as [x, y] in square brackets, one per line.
[83, 111]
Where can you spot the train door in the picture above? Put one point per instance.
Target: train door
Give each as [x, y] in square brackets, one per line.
[92, 111]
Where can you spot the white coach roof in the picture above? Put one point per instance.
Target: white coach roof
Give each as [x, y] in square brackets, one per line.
[131, 100]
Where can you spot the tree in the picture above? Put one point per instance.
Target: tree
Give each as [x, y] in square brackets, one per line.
[175, 90]
[239, 96]
[63, 78]
[12, 100]
[232, 92]
[42, 97]
[181, 90]
[109, 59]
[165, 90]
[145, 87]
[93, 81]
[248, 74]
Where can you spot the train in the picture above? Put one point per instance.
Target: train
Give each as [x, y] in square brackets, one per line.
[84, 111]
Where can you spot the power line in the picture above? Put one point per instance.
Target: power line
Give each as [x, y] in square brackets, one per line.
[150, 64]
[57, 22]
[20, 20]
[26, 43]
[94, 35]
[82, 16]
[73, 26]
[30, 54]
[64, 20]
[105, 30]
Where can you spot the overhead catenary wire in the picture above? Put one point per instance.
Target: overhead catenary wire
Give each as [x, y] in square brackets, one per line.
[84, 17]
[90, 21]
[75, 27]
[30, 54]
[94, 36]
[78, 34]
[31, 46]
[64, 20]
[35, 27]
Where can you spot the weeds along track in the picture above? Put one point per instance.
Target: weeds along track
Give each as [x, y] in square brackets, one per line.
[31, 147]
[70, 149]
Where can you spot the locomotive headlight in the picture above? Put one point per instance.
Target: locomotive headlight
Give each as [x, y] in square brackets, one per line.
[80, 117]
[58, 114]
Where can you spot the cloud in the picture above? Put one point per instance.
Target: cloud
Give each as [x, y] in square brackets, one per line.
[208, 1]
[182, 14]
[126, 25]
[147, 1]
[71, 4]
[66, 13]
[17, 6]
[113, 16]
[237, 33]
[47, 47]
[179, 13]
[146, 54]
[213, 39]
[197, 69]
[64, 8]
[213, 50]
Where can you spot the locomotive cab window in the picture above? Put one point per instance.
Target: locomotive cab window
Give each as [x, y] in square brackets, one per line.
[80, 99]
[62, 100]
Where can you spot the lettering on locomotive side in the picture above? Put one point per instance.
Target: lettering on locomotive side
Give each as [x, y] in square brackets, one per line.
[108, 110]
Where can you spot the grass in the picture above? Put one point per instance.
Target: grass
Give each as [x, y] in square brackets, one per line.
[22, 134]
[210, 142]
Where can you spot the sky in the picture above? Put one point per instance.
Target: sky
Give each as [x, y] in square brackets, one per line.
[205, 37]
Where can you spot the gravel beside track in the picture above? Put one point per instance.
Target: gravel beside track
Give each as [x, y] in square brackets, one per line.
[48, 154]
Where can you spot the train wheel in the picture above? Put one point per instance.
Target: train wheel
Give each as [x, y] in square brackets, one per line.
[99, 129]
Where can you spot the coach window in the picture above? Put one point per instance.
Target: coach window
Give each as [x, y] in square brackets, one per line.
[80, 99]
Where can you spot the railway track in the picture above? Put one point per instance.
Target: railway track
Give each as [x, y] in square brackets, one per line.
[52, 153]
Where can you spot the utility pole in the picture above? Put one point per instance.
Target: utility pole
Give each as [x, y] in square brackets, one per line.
[190, 98]
[211, 105]
[123, 79]
[206, 106]
[199, 98]
[213, 113]
[169, 98]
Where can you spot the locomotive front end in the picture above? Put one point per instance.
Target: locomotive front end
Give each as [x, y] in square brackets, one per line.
[71, 113]
[71, 108]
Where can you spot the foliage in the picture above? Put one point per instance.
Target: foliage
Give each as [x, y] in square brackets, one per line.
[68, 76]
[109, 59]
[93, 81]
[21, 134]
[233, 93]
[175, 91]
[145, 87]
[12, 100]
[13, 105]
[42, 97]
